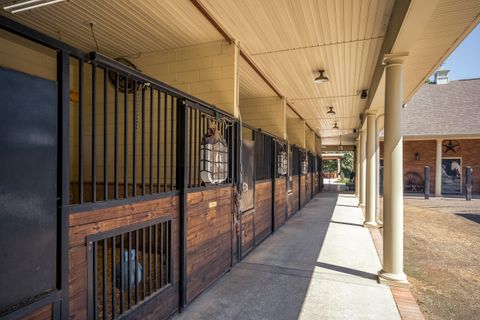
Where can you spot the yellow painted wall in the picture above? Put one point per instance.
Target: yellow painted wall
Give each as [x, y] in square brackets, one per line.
[310, 139]
[268, 114]
[318, 145]
[296, 132]
[207, 71]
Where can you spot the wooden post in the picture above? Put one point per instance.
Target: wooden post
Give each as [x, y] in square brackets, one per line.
[426, 178]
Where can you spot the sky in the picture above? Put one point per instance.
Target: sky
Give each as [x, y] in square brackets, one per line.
[464, 62]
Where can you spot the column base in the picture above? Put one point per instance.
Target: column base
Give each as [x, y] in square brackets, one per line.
[392, 280]
[370, 224]
[361, 205]
[380, 223]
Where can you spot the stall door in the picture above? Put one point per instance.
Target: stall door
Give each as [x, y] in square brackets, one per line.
[28, 171]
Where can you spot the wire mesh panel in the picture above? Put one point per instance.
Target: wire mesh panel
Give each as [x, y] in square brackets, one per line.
[127, 266]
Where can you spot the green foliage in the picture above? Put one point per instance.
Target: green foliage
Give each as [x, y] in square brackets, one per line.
[346, 164]
[330, 166]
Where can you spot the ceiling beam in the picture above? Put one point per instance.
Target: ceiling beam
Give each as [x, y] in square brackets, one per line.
[201, 8]
[399, 12]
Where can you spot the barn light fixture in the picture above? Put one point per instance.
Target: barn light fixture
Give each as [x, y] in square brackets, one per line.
[335, 126]
[213, 156]
[282, 161]
[321, 78]
[330, 111]
[29, 5]
[363, 94]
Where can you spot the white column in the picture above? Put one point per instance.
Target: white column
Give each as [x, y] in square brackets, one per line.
[438, 169]
[371, 158]
[338, 167]
[377, 170]
[363, 167]
[357, 167]
[392, 272]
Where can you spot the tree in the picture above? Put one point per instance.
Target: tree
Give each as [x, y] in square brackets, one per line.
[330, 166]
[346, 164]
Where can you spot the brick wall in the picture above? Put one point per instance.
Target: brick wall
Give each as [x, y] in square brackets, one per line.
[469, 151]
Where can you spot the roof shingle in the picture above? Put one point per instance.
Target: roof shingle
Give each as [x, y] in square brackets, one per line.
[442, 110]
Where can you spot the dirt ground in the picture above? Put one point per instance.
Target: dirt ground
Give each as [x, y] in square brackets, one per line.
[442, 256]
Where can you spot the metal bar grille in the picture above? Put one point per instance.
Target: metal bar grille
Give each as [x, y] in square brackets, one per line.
[125, 135]
[198, 122]
[263, 156]
[127, 266]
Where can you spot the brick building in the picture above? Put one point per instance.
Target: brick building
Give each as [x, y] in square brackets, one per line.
[442, 118]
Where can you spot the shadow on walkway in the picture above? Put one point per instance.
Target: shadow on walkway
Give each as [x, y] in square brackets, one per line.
[304, 271]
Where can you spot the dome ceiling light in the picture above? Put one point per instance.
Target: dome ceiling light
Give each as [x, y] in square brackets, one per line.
[321, 78]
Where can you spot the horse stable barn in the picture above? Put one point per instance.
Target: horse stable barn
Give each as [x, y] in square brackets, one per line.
[149, 146]
[449, 142]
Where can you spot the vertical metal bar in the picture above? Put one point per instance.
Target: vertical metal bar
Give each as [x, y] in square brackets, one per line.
[155, 256]
[165, 141]
[125, 142]
[161, 253]
[190, 148]
[136, 267]
[167, 258]
[95, 281]
[196, 147]
[158, 139]
[143, 140]
[115, 134]
[113, 277]
[135, 128]
[198, 142]
[273, 170]
[129, 270]
[170, 256]
[150, 258]
[94, 125]
[80, 129]
[104, 278]
[63, 178]
[151, 140]
[172, 132]
[122, 274]
[105, 134]
[181, 176]
[143, 264]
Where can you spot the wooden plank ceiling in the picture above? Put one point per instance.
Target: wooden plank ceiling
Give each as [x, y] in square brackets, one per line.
[122, 27]
[291, 40]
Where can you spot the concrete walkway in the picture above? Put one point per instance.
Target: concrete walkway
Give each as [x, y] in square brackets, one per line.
[321, 265]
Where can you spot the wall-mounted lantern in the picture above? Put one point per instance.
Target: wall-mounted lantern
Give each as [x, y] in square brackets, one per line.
[213, 156]
[305, 164]
[282, 161]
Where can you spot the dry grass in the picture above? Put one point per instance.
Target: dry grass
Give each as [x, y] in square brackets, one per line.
[442, 256]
